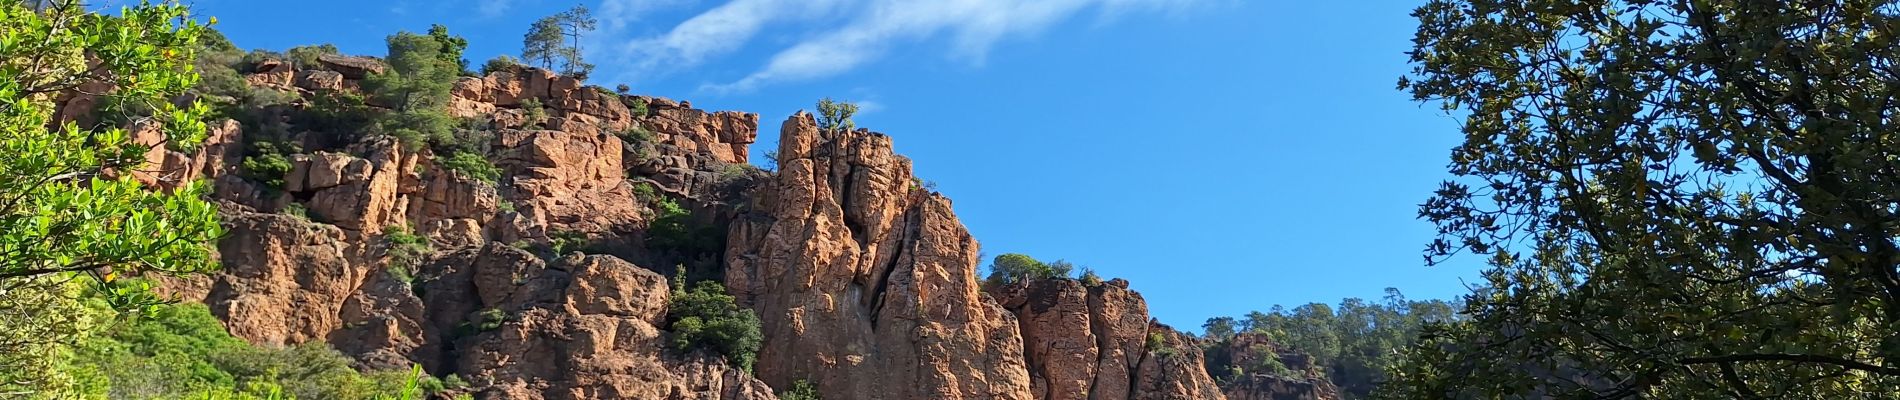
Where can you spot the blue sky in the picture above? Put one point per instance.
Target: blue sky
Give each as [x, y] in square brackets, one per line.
[1223, 155]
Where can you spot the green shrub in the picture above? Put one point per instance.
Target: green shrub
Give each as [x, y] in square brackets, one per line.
[342, 116]
[251, 59]
[417, 128]
[675, 230]
[258, 98]
[1270, 362]
[491, 319]
[471, 165]
[732, 172]
[707, 318]
[801, 390]
[297, 210]
[182, 351]
[454, 382]
[636, 135]
[1089, 278]
[305, 57]
[219, 84]
[533, 113]
[638, 106]
[835, 116]
[267, 164]
[1015, 268]
[406, 251]
[505, 206]
[1061, 268]
[645, 192]
[561, 243]
[422, 71]
[499, 63]
[1158, 344]
[622, 89]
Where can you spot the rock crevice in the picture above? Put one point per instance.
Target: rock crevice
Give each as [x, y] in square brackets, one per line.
[852, 300]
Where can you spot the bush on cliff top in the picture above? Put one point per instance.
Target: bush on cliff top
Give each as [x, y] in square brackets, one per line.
[1016, 268]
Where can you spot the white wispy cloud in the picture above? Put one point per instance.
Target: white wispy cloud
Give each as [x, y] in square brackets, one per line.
[973, 27]
[852, 33]
[717, 31]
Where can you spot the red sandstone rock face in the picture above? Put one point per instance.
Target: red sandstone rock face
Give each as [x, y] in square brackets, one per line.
[725, 136]
[167, 169]
[1174, 369]
[579, 328]
[866, 285]
[284, 279]
[600, 315]
[356, 193]
[864, 282]
[1094, 342]
[352, 67]
[567, 182]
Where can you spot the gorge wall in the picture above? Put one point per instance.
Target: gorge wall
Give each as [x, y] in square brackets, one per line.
[864, 281]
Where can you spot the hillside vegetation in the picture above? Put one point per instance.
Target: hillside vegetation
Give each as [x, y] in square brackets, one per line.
[1675, 199]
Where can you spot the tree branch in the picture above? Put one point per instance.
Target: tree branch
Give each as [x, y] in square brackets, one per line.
[1800, 358]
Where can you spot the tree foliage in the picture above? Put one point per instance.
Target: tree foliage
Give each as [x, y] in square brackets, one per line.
[558, 38]
[69, 206]
[1016, 268]
[471, 165]
[1678, 199]
[800, 390]
[677, 231]
[1352, 344]
[835, 116]
[705, 317]
[422, 70]
[306, 57]
[182, 351]
[498, 64]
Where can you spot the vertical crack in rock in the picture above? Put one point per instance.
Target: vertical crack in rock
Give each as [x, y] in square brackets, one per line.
[864, 283]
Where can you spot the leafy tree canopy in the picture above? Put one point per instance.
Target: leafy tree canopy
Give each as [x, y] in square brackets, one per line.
[558, 37]
[1678, 199]
[70, 210]
[1016, 268]
[835, 116]
[1351, 343]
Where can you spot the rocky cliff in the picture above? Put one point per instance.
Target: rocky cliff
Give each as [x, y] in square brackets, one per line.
[863, 280]
[1096, 341]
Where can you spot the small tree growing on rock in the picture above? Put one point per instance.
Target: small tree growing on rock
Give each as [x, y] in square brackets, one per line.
[835, 116]
[544, 41]
[416, 87]
[499, 63]
[1015, 268]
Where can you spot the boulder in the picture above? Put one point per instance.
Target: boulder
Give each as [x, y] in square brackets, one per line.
[352, 67]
